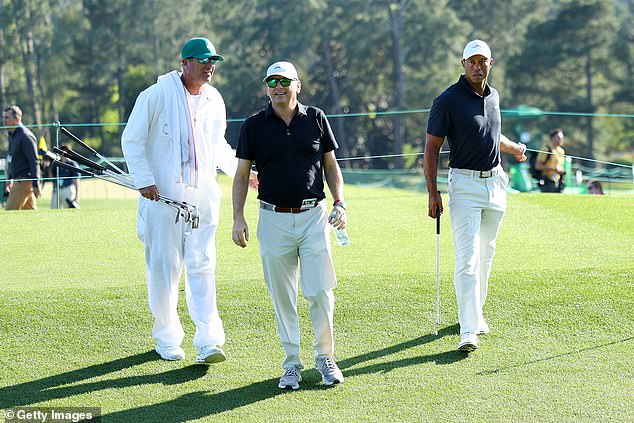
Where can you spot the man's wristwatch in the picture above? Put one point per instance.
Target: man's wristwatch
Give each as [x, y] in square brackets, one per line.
[339, 203]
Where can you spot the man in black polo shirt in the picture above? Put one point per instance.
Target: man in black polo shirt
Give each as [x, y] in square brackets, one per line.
[293, 147]
[23, 163]
[468, 115]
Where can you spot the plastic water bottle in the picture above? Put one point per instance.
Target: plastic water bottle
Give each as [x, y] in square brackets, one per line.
[342, 236]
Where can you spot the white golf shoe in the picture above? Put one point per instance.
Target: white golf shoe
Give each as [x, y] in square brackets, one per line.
[330, 373]
[468, 342]
[291, 378]
[170, 353]
[210, 354]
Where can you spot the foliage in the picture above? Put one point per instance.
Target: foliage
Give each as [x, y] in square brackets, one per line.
[90, 57]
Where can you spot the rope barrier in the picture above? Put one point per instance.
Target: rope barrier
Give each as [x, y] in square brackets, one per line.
[371, 115]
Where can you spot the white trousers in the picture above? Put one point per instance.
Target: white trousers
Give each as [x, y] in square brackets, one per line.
[285, 238]
[167, 249]
[476, 207]
[65, 193]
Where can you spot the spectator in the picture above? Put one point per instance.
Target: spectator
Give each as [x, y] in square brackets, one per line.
[68, 182]
[551, 163]
[22, 163]
[595, 187]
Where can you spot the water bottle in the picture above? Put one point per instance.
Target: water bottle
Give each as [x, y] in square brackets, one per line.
[342, 236]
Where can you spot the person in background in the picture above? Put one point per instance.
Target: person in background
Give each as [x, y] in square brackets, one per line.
[68, 183]
[468, 115]
[551, 163]
[293, 147]
[595, 188]
[173, 142]
[22, 163]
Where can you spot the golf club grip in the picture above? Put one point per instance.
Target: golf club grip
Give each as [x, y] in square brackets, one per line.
[73, 168]
[77, 140]
[79, 158]
[437, 220]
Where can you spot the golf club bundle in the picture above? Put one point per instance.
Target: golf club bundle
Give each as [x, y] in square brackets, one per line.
[109, 172]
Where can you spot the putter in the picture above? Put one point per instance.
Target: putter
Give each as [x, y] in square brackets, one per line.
[437, 271]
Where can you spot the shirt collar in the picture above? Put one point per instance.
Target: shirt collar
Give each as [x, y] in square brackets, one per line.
[465, 84]
[301, 110]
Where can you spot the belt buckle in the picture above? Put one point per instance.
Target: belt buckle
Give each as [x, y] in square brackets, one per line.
[486, 173]
[308, 204]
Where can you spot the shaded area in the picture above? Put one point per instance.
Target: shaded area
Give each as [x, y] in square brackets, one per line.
[552, 357]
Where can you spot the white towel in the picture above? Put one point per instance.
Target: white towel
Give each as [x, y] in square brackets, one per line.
[180, 128]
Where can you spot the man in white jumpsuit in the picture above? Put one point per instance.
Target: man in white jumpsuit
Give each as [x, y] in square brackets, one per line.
[173, 143]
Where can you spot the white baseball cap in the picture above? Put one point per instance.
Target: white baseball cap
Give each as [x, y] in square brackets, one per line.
[285, 69]
[476, 47]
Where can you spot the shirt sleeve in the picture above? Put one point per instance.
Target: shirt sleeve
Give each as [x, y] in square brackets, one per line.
[224, 155]
[328, 140]
[29, 149]
[245, 150]
[439, 121]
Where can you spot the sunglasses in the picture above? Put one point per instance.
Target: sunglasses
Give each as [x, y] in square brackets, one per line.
[204, 61]
[284, 82]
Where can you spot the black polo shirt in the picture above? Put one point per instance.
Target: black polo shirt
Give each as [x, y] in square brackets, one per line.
[471, 123]
[289, 160]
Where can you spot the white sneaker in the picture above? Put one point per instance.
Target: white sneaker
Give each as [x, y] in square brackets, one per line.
[468, 342]
[170, 353]
[330, 373]
[290, 378]
[210, 354]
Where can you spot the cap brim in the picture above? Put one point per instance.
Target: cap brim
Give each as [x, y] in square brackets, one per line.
[210, 56]
[283, 75]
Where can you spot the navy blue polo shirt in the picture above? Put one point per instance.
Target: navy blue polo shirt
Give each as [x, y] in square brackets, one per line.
[471, 124]
[289, 159]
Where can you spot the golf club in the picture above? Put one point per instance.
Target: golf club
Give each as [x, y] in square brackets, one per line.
[109, 164]
[437, 271]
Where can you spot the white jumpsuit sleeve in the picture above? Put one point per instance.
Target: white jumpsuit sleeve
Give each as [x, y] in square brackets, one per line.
[224, 156]
[134, 139]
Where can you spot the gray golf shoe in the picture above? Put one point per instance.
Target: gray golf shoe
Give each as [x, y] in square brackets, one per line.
[291, 378]
[330, 373]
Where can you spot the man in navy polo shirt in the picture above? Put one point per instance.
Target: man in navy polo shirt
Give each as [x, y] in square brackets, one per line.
[468, 115]
[293, 147]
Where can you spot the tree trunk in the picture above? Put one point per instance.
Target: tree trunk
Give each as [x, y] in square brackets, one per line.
[336, 99]
[590, 134]
[29, 75]
[396, 26]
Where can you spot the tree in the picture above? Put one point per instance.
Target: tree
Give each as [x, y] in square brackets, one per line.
[565, 56]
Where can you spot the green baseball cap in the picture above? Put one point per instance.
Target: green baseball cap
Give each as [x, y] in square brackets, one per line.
[200, 48]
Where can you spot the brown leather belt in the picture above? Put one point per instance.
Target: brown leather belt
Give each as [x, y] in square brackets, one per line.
[277, 209]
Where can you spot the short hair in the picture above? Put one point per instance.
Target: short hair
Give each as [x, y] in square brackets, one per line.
[14, 110]
[555, 132]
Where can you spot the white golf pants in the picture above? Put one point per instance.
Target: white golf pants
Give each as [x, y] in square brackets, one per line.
[285, 238]
[167, 249]
[476, 207]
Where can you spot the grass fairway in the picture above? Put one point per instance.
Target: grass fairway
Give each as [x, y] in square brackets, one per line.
[75, 325]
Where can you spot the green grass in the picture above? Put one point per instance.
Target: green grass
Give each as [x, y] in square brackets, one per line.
[75, 326]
